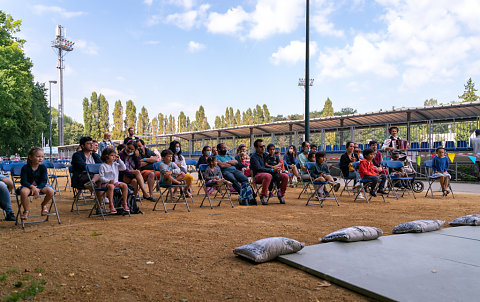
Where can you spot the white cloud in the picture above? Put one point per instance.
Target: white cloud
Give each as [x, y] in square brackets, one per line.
[189, 19]
[195, 46]
[275, 16]
[423, 42]
[292, 53]
[187, 4]
[148, 2]
[229, 23]
[88, 47]
[41, 9]
[320, 20]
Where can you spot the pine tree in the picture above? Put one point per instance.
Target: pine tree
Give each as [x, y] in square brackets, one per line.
[104, 123]
[266, 114]
[154, 128]
[130, 115]
[249, 119]
[182, 122]
[218, 122]
[117, 132]
[87, 117]
[469, 93]
[328, 108]
[238, 118]
[161, 124]
[258, 115]
[201, 122]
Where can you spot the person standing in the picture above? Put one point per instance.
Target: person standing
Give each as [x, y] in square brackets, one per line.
[131, 135]
[105, 143]
[476, 149]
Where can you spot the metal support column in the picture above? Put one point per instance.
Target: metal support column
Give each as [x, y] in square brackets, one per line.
[409, 118]
[252, 138]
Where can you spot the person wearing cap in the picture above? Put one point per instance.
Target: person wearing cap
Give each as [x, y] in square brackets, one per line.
[476, 149]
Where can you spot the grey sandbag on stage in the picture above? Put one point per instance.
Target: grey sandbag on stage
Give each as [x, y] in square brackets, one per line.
[473, 220]
[418, 226]
[355, 233]
[267, 249]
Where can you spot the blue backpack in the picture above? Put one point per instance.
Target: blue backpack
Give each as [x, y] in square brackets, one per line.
[246, 192]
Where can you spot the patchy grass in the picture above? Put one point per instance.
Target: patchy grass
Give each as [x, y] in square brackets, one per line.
[28, 293]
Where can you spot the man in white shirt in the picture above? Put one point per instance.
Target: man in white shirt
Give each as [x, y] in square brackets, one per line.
[476, 149]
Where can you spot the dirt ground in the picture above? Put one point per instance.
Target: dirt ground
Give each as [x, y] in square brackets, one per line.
[189, 254]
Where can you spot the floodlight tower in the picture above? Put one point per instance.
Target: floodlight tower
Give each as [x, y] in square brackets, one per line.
[63, 45]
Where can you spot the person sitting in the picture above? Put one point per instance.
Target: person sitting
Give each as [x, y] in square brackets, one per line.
[79, 161]
[131, 175]
[105, 143]
[206, 153]
[378, 157]
[302, 159]
[311, 157]
[147, 159]
[245, 162]
[290, 159]
[240, 166]
[273, 161]
[171, 173]
[214, 151]
[228, 166]
[95, 146]
[33, 180]
[393, 142]
[369, 172]
[313, 148]
[358, 151]
[213, 174]
[131, 136]
[179, 160]
[440, 169]
[261, 173]
[108, 173]
[321, 172]
[6, 185]
[398, 172]
[120, 148]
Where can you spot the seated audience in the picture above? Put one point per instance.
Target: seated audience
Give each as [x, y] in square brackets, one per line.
[171, 173]
[108, 173]
[346, 161]
[179, 160]
[213, 174]
[377, 159]
[321, 172]
[440, 169]
[131, 175]
[79, 161]
[313, 148]
[120, 148]
[147, 159]
[131, 135]
[6, 185]
[371, 173]
[33, 180]
[290, 159]
[261, 173]
[302, 159]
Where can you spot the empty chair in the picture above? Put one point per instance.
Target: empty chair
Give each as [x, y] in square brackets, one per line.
[450, 145]
[336, 148]
[437, 144]
[462, 146]
[328, 148]
[342, 148]
[425, 146]
[414, 145]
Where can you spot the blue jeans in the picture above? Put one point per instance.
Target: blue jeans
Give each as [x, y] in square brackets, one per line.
[236, 177]
[5, 203]
[354, 175]
[374, 180]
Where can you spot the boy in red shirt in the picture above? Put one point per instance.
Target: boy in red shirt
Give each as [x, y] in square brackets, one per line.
[368, 171]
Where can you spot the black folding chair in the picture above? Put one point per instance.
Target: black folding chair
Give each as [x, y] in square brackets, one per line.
[431, 180]
[166, 195]
[15, 173]
[98, 208]
[80, 201]
[330, 190]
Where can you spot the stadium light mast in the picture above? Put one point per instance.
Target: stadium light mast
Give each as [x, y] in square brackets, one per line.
[63, 45]
[307, 71]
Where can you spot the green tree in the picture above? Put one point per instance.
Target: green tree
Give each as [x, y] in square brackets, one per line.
[182, 122]
[218, 122]
[117, 131]
[328, 108]
[130, 115]
[23, 106]
[103, 117]
[258, 115]
[430, 102]
[238, 118]
[201, 122]
[266, 114]
[87, 117]
[346, 111]
[469, 93]
[143, 122]
[96, 116]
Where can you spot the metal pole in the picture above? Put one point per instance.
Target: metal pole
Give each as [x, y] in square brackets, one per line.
[50, 115]
[307, 79]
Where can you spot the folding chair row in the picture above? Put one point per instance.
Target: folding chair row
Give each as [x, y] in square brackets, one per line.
[364, 183]
[166, 194]
[220, 188]
[397, 184]
[318, 187]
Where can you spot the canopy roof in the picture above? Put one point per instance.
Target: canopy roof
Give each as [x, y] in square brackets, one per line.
[397, 116]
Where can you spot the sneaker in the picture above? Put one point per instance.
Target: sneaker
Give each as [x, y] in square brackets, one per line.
[10, 217]
[360, 196]
[336, 187]
[282, 199]
[264, 200]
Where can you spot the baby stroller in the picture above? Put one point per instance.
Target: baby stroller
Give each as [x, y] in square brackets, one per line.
[417, 185]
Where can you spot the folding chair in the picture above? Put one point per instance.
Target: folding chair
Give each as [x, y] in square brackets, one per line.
[320, 199]
[428, 165]
[257, 188]
[98, 206]
[15, 173]
[363, 183]
[52, 176]
[78, 193]
[393, 164]
[191, 165]
[348, 183]
[306, 186]
[181, 199]
[218, 196]
[62, 168]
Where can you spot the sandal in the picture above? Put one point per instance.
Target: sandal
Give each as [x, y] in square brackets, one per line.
[44, 210]
[148, 198]
[125, 207]
[25, 215]
[112, 209]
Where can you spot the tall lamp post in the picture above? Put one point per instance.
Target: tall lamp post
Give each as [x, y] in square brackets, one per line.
[307, 71]
[50, 104]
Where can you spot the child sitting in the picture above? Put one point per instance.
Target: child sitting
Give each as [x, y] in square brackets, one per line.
[369, 172]
[33, 181]
[171, 173]
[321, 172]
[213, 175]
[245, 161]
[311, 157]
[109, 170]
[272, 161]
[398, 172]
[440, 169]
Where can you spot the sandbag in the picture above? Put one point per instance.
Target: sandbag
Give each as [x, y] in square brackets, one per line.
[418, 226]
[355, 233]
[267, 249]
[473, 219]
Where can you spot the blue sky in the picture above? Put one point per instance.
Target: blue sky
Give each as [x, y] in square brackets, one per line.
[174, 55]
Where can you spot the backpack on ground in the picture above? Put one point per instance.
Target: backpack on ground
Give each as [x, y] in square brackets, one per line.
[131, 201]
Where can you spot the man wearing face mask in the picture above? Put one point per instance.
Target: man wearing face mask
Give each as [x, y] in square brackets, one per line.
[229, 171]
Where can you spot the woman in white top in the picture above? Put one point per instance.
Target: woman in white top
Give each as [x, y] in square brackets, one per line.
[109, 170]
[179, 160]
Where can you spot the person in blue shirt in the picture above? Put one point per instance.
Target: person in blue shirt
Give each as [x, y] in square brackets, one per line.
[440, 169]
[229, 171]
